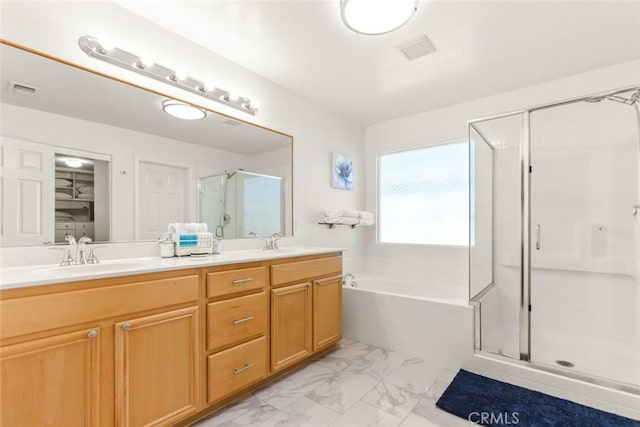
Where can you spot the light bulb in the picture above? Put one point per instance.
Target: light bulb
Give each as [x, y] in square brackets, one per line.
[147, 61]
[73, 163]
[107, 43]
[180, 74]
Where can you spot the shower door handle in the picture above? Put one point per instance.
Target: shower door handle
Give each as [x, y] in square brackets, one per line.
[537, 237]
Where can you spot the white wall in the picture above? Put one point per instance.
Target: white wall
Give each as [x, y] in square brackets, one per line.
[54, 27]
[448, 264]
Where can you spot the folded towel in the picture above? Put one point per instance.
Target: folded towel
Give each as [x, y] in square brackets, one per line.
[366, 221]
[86, 189]
[345, 213]
[62, 214]
[60, 182]
[368, 216]
[87, 196]
[187, 228]
[341, 220]
[62, 195]
[64, 219]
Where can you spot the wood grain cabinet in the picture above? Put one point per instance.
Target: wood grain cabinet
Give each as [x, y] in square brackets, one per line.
[52, 381]
[237, 327]
[327, 311]
[291, 326]
[137, 362]
[306, 309]
[156, 358]
[161, 349]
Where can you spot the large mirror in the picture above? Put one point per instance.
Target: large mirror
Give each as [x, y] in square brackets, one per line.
[88, 155]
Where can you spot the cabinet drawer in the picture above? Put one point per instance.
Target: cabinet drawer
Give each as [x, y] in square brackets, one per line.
[237, 319]
[61, 234]
[228, 282]
[32, 314]
[298, 271]
[232, 369]
[84, 226]
[66, 226]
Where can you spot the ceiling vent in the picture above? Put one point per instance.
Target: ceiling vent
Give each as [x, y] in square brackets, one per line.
[417, 48]
[22, 89]
[231, 122]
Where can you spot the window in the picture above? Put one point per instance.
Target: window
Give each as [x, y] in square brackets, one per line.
[424, 195]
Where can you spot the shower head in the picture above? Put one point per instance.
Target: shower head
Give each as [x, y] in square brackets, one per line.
[229, 174]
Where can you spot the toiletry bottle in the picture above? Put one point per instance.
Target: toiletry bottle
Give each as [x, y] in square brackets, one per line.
[166, 248]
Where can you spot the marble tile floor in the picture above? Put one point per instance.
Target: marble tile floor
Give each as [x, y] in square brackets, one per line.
[356, 385]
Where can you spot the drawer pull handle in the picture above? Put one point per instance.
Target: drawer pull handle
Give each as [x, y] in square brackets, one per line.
[92, 334]
[244, 319]
[328, 280]
[244, 368]
[238, 281]
[126, 326]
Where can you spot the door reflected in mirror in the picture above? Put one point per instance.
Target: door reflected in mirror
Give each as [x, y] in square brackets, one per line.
[237, 203]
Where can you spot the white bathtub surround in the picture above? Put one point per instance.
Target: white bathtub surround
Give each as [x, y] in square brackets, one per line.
[435, 328]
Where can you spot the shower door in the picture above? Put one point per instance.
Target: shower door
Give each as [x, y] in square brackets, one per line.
[584, 239]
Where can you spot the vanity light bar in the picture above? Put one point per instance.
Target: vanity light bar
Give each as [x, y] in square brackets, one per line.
[116, 56]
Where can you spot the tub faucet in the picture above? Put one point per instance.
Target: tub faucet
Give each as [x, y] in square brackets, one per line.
[346, 278]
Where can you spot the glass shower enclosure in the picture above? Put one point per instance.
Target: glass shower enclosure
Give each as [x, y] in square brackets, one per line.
[236, 203]
[555, 253]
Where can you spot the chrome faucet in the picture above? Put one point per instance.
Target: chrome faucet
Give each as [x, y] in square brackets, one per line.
[270, 243]
[273, 241]
[81, 254]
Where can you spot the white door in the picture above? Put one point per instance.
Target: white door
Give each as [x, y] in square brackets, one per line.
[27, 193]
[162, 198]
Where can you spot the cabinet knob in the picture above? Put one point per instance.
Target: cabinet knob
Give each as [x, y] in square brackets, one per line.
[126, 326]
[92, 334]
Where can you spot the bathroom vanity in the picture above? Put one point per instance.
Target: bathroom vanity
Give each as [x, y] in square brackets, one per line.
[166, 341]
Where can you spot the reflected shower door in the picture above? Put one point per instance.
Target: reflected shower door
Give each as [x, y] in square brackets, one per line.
[584, 288]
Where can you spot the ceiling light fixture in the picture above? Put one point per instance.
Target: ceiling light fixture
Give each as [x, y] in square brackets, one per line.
[183, 111]
[94, 48]
[73, 163]
[374, 17]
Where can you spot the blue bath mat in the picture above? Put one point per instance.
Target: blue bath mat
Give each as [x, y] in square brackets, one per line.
[489, 402]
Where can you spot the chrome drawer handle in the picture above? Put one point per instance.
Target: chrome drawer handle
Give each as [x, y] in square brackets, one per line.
[238, 281]
[244, 319]
[244, 368]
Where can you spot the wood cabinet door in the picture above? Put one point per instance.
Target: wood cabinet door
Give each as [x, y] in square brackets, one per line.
[327, 311]
[290, 324]
[52, 381]
[157, 370]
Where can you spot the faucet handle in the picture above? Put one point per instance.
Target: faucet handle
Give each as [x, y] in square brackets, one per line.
[85, 239]
[67, 259]
[93, 258]
[71, 239]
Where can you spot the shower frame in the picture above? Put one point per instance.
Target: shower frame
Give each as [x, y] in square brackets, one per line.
[525, 249]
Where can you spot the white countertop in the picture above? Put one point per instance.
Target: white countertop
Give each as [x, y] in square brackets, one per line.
[33, 275]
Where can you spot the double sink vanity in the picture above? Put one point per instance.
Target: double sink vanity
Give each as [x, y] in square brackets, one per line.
[160, 342]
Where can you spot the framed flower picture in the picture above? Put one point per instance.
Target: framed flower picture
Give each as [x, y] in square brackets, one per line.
[342, 171]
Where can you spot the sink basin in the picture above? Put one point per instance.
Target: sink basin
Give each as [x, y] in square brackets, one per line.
[86, 269]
